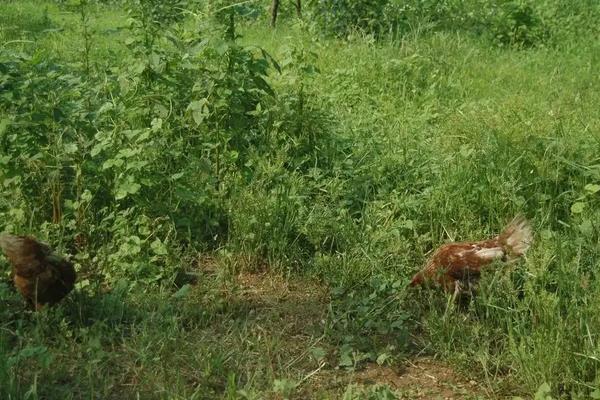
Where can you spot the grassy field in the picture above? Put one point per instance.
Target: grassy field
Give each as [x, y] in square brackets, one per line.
[245, 205]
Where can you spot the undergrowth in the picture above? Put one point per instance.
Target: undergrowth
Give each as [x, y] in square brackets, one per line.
[169, 148]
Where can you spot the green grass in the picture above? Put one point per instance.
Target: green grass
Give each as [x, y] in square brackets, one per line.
[353, 175]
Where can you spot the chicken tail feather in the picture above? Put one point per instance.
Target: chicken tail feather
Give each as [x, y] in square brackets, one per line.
[10, 244]
[516, 237]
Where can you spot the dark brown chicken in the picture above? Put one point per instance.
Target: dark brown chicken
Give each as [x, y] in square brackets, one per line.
[41, 276]
[455, 265]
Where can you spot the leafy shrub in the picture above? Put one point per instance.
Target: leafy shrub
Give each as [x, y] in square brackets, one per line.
[368, 322]
[340, 17]
[515, 23]
[173, 137]
[566, 20]
[519, 23]
[59, 130]
[393, 18]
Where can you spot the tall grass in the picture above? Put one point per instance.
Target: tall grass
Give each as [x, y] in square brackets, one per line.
[346, 161]
[452, 137]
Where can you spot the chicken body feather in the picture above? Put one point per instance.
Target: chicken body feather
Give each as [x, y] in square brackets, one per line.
[455, 263]
[40, 275]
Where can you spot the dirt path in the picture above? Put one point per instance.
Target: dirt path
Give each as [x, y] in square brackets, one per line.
[422, 378]
[296, 310]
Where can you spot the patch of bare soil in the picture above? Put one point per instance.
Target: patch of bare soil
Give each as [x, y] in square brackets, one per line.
[297, 308]
[421, 378]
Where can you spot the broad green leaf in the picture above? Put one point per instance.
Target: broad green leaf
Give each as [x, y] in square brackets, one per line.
[156, 124]
[382, 358]
[346, 359]
[126, 188]
[592, 188]
[139, 68]
[105, 107]
[577, 208]
[86, 196]
[70, 148]
[113, 162]
[408, 224]
[131, 246]
[159, 247]
[97, 149]
[586, 227]
[155, 62]
[199, 110]
[183, 291]
[82, 284]
[318, 353]
[4, 123]
[543, 392]
[176, 176]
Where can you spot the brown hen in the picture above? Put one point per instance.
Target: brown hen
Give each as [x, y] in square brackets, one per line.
[455, 264]
[40, 275]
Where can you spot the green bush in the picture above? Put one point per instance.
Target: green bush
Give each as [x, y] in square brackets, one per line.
[518, 23]
[515, 23]
[177, 138]
[130, 129]
[340, 17]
